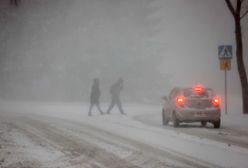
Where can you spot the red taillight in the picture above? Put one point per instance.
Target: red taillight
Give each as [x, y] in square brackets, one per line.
[216, 101]
[198, 88]
[180, 100]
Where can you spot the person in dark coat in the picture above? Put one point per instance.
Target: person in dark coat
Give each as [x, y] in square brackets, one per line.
[115, 91]
[94, 97]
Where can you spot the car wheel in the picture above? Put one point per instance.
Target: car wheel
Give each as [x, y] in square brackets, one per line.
[164, 118]
[175, 120]
[203, 123]
[216, 124]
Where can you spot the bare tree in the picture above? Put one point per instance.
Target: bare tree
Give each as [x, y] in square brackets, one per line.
[239, 12]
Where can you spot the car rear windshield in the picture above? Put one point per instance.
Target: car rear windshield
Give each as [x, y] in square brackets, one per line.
[190, 93]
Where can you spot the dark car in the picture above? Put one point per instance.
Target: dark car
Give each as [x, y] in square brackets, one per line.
[195, 104]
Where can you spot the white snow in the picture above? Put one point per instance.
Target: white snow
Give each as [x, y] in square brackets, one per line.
[187, 146]
[35, 151]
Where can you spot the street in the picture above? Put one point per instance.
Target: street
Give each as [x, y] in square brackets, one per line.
[52, 137]
[226, 134]
[97, 84]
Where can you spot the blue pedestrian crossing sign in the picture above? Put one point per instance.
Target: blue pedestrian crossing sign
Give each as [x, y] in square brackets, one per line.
[225, 52]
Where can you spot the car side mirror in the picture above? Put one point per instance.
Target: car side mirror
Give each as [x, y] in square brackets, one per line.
[164, 98]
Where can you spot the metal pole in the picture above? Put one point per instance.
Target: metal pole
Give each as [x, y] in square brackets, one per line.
[225, 91]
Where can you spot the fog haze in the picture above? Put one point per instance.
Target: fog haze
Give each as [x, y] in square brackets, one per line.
[52, 50]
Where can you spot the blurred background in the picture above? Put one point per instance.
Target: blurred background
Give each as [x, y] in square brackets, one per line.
[52, 50]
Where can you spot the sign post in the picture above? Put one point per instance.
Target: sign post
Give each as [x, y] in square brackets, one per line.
[225, 56]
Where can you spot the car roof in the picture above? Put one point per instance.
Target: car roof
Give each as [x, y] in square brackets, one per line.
[182, 88]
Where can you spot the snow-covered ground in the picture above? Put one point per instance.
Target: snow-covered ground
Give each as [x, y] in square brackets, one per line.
[62, 135]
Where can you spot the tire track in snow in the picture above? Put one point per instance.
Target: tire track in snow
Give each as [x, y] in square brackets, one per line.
[185, 160]
[79, 151]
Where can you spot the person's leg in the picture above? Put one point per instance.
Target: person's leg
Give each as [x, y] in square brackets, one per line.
[120, 106]
[91, 106]
[98, 107]
[111, 106]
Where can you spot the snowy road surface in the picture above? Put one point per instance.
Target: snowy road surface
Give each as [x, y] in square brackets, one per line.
[62, 135]
[233, 131]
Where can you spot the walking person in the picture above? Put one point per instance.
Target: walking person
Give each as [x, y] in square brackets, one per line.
[115, 95]
[94, 97]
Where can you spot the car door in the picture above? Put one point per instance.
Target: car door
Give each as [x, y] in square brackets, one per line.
[171, 101]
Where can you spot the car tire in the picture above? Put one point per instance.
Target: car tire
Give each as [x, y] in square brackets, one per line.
[216, 124]
[203, 123]
[175, 120]
[164, 118]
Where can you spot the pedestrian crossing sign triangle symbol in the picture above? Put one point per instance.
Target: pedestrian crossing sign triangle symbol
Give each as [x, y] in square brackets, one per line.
[225, 52]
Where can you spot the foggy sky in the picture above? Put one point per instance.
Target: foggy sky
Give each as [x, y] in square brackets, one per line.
[51, 50]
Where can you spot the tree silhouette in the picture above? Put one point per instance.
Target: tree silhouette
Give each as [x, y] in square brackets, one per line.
[239, 12]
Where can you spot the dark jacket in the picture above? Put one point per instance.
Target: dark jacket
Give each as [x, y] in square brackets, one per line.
[115, 90]
[95, 93]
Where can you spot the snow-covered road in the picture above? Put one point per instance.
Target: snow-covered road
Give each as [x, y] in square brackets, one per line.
[62, 135]
[233, 131]
[50, 142]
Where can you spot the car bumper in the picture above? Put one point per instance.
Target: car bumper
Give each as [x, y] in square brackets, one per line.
[191, 115]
